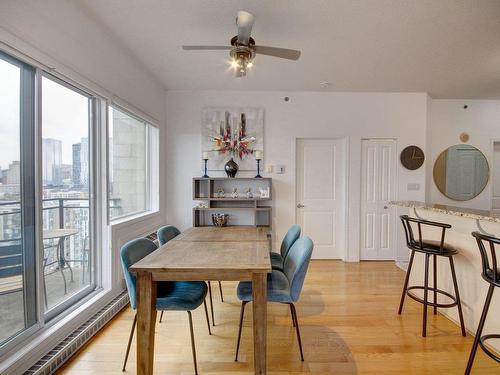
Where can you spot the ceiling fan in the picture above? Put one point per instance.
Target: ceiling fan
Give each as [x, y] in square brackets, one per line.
[243, 48]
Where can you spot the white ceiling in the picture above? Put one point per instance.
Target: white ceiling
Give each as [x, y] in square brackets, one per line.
[448, 48]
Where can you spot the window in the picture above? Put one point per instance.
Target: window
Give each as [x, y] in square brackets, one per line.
[66, 177]
[18, 310]
[133, 158]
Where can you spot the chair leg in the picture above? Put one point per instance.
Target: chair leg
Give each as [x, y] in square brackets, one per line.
[242, 314]
[129, 342]
[206, 315]
[426, 292]
[221, 295]
[407, 278]
[161, 316]
[479, 329]
[211, 302]
[294, 317]
[434, 266]
[291, 313]
[457, 295]
[192, 342]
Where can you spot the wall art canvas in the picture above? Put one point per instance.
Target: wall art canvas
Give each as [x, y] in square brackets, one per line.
[232, 132]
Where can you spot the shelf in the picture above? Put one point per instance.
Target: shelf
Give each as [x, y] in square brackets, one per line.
[231, 178]
[232, 209]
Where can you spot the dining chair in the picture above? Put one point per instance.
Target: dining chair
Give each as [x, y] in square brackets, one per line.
[277, 259]
[169, 232]
[282, 287]
[171, 295]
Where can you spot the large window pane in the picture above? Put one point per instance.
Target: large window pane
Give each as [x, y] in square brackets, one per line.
[128, 154]
[67, 265]
[17, 250]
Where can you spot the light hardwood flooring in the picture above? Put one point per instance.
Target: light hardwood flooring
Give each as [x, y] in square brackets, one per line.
[349, 325]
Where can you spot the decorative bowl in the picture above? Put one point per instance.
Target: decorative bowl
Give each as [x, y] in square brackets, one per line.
[220, 220]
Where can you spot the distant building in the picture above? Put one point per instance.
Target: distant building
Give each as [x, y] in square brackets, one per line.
[80, 177]
[52, 162]
[14, 173]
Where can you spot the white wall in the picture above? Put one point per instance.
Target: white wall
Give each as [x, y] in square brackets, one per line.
[448, 119]
[307, 114]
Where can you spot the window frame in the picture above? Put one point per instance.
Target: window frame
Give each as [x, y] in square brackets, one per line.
[58, 309]
[27, 135]
[152, 180]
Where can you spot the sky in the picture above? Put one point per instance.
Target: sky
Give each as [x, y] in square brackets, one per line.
[64, 115]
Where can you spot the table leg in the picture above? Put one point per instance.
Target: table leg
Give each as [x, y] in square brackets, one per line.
[146, 319]
[259, 290]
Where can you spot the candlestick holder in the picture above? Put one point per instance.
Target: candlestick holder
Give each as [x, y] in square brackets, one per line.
[205, 175]
[258, 169]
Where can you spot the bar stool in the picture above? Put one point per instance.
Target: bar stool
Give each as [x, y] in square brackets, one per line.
[491, 274]
[434, 248]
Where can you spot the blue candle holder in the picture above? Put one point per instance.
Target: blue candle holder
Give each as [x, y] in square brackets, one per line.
[205, 175]
[258, 169]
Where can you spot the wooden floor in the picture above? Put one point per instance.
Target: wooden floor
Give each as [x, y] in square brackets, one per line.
[349, 323]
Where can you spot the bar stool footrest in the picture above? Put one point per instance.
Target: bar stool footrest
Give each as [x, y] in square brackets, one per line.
[429, 303]
[482, 341]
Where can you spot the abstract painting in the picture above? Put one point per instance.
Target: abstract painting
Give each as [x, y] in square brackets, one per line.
[232, 133]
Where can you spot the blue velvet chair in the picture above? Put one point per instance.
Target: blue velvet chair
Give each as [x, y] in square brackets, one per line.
[165, 234]
[282, 287]
[278, 259]
[171, 295]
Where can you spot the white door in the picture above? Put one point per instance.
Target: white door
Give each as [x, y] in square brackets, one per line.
[378, 187]
[321, 183]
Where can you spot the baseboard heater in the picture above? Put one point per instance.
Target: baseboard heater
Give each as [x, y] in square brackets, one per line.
[71, 344]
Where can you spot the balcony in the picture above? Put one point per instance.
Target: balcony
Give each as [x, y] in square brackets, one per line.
[67, 264]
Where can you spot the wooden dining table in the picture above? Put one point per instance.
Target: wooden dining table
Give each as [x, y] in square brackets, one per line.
[204, 253]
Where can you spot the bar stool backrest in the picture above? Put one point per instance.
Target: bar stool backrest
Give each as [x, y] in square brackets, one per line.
[419, 244]
[488, 261]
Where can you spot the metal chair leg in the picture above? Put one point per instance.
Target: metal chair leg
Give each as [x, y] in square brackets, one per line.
[479, 329]
[296, 321]
[221, 295]
[161, 316]
[426, 292]
[192, 342]
[206, 315]
[457, 296]
[211, 302]
[291, 313]
[407, 278]
[242, 314]
[434, 266]
[129, 342]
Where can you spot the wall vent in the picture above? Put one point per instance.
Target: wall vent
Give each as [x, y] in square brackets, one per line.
[70, 345]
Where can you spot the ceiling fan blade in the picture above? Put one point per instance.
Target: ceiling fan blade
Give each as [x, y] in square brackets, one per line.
[244, 21]
[201, 48]
[284, 53]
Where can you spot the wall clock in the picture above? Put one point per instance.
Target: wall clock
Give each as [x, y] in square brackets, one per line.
[412, 157]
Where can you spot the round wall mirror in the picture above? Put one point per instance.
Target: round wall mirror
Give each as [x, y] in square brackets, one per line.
[461, 172]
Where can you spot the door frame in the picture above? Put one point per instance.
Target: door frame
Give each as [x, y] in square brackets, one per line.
[396, 195]
[345, 211]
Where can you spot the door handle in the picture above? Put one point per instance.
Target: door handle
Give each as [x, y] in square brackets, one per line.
[300, 205]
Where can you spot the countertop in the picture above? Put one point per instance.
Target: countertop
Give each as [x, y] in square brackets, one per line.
[451, 210]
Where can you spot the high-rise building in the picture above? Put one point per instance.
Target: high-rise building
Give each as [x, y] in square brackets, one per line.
[52, 161]
[77, 167]
[14, 173]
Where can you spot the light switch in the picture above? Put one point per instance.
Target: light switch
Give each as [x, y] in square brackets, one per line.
[413, 187]
[269, 169]
[280, 169]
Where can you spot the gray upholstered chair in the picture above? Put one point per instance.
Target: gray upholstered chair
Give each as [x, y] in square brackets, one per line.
[169, 232]
[171, 295]
[282, 287]
[278, 259]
